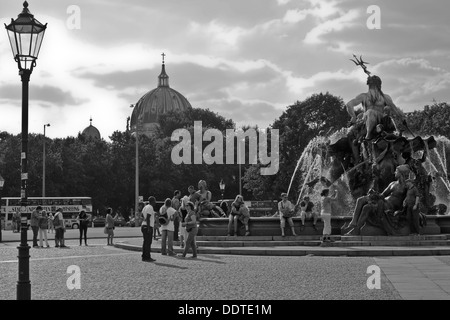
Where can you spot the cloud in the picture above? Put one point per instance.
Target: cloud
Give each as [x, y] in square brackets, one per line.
[248, 59]
[48, 94]
[247, 112]
[315, 35]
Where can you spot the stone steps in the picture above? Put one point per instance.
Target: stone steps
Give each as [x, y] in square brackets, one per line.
[315, 240]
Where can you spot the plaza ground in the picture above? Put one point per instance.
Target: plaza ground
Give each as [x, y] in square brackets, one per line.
[110, 273]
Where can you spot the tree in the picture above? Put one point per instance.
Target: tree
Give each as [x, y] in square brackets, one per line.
[320, 114]
[432, 120]
[173, 120]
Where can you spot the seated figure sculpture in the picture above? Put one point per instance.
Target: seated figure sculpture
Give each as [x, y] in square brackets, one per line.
[381, 210]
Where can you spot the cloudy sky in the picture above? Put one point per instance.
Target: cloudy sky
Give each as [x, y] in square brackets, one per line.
[245, 59]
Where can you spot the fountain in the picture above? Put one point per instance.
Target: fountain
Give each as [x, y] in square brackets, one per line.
[362, 159]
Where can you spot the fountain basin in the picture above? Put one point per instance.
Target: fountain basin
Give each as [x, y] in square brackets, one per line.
[270, 226]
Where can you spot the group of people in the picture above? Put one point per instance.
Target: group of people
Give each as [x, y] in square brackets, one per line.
[178, 219]
[286, 211]
[41, 221]
[173, 210]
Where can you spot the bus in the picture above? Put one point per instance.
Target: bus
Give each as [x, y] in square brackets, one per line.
[71, 207]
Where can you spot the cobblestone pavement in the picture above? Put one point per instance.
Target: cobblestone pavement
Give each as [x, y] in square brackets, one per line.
[111, 273]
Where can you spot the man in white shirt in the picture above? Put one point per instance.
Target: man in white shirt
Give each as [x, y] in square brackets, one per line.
[147, 229]
[167, 228]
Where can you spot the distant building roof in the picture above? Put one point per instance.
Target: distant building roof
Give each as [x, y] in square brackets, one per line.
[91, 132]
[156, 102]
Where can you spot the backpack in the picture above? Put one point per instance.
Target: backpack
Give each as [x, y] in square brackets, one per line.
[56, 221]
[163, 218]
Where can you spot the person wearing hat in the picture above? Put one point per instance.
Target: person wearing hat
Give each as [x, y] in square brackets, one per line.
[34, 223]
[373, 103]
[59, 224]
[286, 211]
[166, 218]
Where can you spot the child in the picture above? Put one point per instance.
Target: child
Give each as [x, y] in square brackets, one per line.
[411, 205]
[325, 213]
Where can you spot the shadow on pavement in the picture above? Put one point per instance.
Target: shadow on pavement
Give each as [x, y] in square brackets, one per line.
[169, 265]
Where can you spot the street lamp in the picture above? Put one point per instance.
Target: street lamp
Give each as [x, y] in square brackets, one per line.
[2, 183]
[222, 187]
[25, 35]
[43, 163]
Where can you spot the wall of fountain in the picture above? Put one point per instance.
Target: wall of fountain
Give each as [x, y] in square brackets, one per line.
[312, 174]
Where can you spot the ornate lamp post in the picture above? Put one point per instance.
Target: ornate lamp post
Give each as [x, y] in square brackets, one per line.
[25, 35]
[43, 163]
[2, 183]
[222, 187]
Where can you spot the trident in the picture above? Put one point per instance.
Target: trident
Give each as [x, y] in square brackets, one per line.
[361, 63]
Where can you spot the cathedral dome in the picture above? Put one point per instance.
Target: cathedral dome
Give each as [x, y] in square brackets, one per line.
[157, 102]
[91, 132]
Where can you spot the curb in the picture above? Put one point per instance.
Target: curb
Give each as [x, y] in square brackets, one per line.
[308, 251]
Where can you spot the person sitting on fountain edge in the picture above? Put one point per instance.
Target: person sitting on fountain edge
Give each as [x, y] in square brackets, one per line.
[306, 207]
[286, 210]
[239, 212]
[373, 102]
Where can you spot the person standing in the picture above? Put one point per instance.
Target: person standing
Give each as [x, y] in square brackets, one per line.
[109, 226]
[34, 223]
[167, 228]
[147, 229]
[16, 222]
[51, 228]
[43, 226]
[325, 213]
[176, 221]
[60, 228]
[138, 214]
[83, 220]
[183, 214]
[191, 227]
